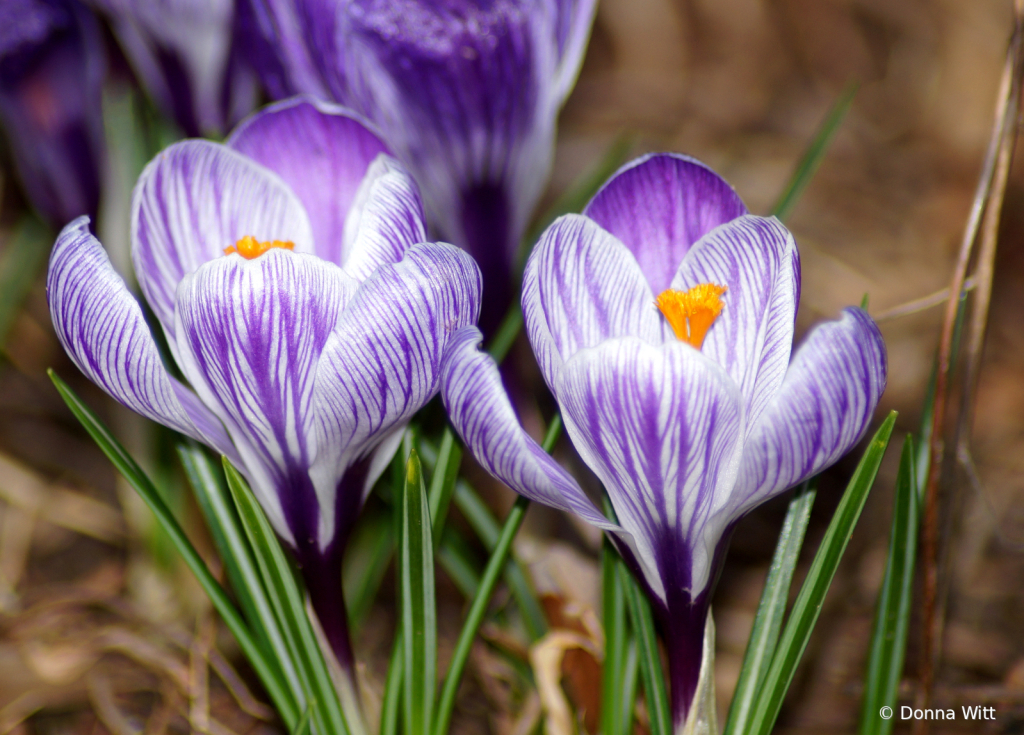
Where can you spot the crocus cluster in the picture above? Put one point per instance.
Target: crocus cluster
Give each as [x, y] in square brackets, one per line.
[311, 315]
[290, 274]
[465, 92]
[662, 320]
[52, 66]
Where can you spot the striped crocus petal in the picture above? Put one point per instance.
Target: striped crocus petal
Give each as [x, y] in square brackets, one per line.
[386, 219]
[659, 206]
[820, 411]
[581, 287]
[278, 48]
[480, 411]
[194, 200]
[382, 364]
[757, 260]
[661, 426]
[322, 152]
[102, 327]
[250, 335]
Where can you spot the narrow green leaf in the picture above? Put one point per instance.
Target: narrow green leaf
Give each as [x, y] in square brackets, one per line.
[808, 603]
[288, 602]
[770, 611]
[268, 673]
[442, 483]
[476, 614]
[487, 530]
[630, 676]
[508, 330]
[815, 153]
[24, 257]
[651, 672]
[616, 640]
[302, 727]
[892, 618]
[207, 479]
[391, 704]
[459, 562]
[864, 301]
[419, 608]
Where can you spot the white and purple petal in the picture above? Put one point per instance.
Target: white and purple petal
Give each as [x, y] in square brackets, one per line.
[322, 152]
[820, 411]
[383, 362]
[581, 287]
[481, 413]
[385, 220]
[757, 260]
[661, 426]
[250, 334]
[573, 19]
[195, 199]
[659, 206]
[104, 331]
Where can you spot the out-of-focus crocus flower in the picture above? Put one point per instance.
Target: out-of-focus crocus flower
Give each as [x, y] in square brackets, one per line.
[466, 93]
[662, 319]
[187, 55]
[52, 67]
[289, 271]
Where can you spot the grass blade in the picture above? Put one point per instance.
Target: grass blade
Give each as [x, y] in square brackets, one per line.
[459, 562]
[808, 603]
[442, 483]
[26, 253]
[770, 611]
[892, 618]
[268, 673]
[815, 153]
[288, 602]
[302, 727]
[476, 614]
[651, 673]
[627, 695]
[613, 603]
[391, 704]
[214, 499]
[419, 608]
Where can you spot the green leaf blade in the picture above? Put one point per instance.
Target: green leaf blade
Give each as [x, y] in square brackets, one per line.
[419, 607]
[764, 635]
[892, 617]
[812, 595]
[268, 673]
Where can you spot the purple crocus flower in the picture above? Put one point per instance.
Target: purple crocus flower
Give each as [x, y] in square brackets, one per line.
[662, 319]
[289, 271]
[187, 56]
[466, 93]
[52, 67]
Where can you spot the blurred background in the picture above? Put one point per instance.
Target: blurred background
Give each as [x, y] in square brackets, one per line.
[101, 630]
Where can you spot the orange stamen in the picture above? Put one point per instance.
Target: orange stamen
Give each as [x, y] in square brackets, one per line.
[691, 313]
[249, 247]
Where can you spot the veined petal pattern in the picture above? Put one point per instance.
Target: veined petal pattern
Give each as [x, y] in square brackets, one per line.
[660, 205]
[821, 410]
[102, 328]
[250, 335]
[661, 426]
[581, 287]
[322, 152]
[383, 361]
[757, 260]
[195, 199]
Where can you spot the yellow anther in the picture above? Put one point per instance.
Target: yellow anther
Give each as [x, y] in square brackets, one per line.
[249, 247]
[691, 313]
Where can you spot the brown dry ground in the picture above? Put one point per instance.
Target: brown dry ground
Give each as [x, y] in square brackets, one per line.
[100, 631]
